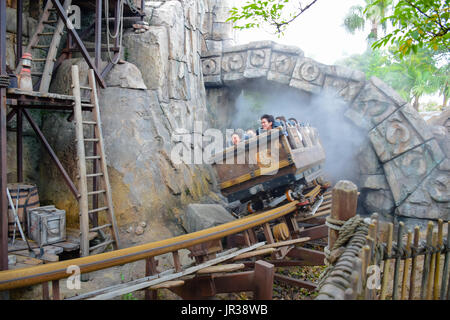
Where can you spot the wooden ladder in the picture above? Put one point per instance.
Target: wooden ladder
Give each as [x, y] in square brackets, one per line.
[102, 174]
[44, 66]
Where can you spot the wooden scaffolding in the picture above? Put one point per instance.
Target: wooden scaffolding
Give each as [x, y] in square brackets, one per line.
[54, 14]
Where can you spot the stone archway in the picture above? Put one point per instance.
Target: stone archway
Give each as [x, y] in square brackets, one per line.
[415, 170]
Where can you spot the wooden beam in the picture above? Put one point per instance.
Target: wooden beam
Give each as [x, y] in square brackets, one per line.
[52, 154]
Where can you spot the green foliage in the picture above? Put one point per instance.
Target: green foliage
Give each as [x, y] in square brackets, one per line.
[411, 76]
[375, 13]
[417, 24]
[270, 12]
[129, 296]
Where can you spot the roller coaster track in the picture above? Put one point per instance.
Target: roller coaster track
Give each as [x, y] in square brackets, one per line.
[244, 238]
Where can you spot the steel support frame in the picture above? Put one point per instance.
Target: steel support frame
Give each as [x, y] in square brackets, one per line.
[3, 145]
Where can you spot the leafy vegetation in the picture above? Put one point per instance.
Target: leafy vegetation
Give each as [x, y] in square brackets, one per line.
[416, 24]
[412, 76]
[269, 12]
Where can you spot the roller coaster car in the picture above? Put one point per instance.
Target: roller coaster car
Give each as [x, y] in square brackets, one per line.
[281, 164]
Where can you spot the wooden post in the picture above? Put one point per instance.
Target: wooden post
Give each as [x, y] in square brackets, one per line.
[176, 261]
[387, 264]
[55, 290]
[429, 294]
[440, 241]
[445, 277]
[426, 262]
[406, 266]
[398, 260]
[268, 233]
[45, 293]
[82, 182]
[412, 281]
[343, 206]
[150, 270]
[264, 274]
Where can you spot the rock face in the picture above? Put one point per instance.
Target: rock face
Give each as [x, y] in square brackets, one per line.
[403, 167]
[201, 216]
[157, 92]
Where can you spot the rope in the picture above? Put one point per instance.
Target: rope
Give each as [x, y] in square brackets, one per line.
[347, 229]
[119, 32]
[133, 7]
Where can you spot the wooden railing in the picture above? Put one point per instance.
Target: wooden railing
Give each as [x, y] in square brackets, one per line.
[371, 265]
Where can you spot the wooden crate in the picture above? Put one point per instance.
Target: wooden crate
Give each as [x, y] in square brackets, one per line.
[47, 225]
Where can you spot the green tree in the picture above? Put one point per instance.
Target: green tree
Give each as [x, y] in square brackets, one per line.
[269, 12]
[411, 76]
[416, 24]
[358, 15]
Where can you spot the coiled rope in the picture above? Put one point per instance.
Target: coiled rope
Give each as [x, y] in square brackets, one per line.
[347, 229]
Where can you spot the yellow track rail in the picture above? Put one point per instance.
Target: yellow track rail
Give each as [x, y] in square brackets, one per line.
[11, 279]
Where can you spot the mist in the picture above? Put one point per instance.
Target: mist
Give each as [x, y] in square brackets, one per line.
[340, 138]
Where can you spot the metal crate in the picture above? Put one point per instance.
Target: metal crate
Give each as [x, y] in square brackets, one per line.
[47, 225]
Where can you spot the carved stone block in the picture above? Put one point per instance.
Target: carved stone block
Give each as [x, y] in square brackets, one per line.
[370, 107]
[394, 136]
[431, 200]
[258, 62]
[233, 65]
[408, 170]
[307, 75]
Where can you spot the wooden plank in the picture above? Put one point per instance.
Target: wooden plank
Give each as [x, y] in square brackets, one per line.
[255, 253]
[28, 260]
[131, 287]
[19, 244]
[221, 268]
[286, 243]
[322, 214]
[167, 285]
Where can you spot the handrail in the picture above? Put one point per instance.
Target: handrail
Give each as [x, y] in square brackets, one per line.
[11, 279]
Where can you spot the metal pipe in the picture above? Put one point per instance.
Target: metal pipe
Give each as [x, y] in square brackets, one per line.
[19, 29]
[98, 33]
[58, 270]
[52, 154]
[19, 145]
[3, 133]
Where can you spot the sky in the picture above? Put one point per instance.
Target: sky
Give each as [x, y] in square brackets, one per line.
[319, 32]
